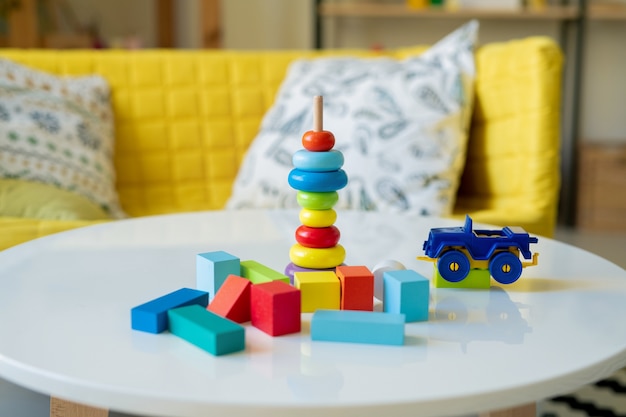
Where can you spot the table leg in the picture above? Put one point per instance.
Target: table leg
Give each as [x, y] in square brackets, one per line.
[62, 408]
[527, 410]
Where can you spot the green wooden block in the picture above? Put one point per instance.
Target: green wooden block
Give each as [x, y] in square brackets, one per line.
[258, 273]
[476, 279]
[206, 330]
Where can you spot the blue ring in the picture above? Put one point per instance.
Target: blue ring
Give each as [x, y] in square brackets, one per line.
[318, 182]
[318, 161]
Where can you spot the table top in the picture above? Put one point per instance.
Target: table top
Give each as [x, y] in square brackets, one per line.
[65, 305]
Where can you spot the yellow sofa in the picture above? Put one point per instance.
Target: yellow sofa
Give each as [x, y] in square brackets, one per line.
[184, 120]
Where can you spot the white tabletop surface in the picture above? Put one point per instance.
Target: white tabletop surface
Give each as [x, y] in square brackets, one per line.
[65, 305]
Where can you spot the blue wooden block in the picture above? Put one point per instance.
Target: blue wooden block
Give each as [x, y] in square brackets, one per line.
[355, 326]
[207, 330]
[406, 292]
[151, 317]
[212, 269]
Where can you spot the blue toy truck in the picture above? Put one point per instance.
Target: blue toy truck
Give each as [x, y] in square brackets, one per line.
[459, 249]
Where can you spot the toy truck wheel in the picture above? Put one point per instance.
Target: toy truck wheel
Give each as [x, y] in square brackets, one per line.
[505, 267]
[453, 266]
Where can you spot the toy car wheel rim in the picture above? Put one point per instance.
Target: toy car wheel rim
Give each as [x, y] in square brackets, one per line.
[505, 268]
[453, 266]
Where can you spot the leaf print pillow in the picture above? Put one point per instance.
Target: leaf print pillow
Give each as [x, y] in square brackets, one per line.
[58, 131]
[401, 125]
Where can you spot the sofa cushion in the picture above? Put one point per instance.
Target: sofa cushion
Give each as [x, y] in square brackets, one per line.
[44, 201]
[401, 125]
[58, 131]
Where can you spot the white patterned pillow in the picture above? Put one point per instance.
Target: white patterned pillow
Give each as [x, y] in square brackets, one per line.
[401, 125]
[59, 131]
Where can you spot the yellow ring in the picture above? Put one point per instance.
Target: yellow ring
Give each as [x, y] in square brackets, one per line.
[318, 218]
[317, 258]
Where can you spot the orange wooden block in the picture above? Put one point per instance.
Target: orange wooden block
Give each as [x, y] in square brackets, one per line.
[232, 301]
[357, 287]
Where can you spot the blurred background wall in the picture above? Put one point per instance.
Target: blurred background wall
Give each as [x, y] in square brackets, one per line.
[288, 24]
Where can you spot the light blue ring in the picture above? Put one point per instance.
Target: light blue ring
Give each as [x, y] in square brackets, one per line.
[318, 161]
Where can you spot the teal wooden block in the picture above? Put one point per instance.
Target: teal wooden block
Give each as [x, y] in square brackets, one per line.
[212, 269]
[258, 273]
[353, 326]
[406, 292]
[207, 330]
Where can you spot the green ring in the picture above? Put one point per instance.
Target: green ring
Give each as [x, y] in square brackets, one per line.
[317, 201]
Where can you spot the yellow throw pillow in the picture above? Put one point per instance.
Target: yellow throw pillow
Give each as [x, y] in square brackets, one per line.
[43, 201]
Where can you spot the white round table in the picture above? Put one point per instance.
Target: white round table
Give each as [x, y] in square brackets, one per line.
[65, 331]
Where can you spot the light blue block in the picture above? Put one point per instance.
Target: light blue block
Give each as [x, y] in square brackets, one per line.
[354, 326]
[212, 269]
[151, 317]
[207, 330]
[406, 292]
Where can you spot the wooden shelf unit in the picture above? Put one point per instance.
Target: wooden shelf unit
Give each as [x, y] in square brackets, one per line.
[24, 28]
[362, 9]
[606, 11]
[569, 15]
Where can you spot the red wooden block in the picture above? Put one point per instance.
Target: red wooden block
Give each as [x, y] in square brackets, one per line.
[275, 308]
[357, 288]
[232, 301]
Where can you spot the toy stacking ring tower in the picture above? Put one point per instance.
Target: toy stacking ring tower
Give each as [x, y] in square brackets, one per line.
[317, 175]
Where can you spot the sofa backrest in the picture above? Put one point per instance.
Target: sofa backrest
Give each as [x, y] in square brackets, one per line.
[511, 175]
[184, 120]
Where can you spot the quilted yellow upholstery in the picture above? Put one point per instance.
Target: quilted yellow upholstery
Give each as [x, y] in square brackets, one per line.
[184, 120]
[512, 170]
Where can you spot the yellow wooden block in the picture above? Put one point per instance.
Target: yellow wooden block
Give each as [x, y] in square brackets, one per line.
[319, 290]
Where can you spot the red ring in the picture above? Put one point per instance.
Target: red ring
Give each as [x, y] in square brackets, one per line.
[317, 237]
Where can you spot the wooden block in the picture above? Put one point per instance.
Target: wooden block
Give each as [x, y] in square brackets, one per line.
[207, 330]
[476, 279]
[406, 292]
[357, 287]
[151, 317]
[320, 290]
[275, 308]
[258, 273]
[212, 268]
[358, 327]
[232, 301]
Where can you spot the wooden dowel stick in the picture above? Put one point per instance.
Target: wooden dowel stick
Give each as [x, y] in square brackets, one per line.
[318, 113]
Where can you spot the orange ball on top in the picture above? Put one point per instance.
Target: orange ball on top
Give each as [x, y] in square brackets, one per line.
[318, 141]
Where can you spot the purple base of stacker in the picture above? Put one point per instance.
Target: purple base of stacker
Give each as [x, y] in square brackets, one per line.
[292, 268]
